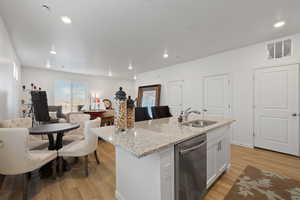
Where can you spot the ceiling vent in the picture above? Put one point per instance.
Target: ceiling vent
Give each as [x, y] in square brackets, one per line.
[279, 49]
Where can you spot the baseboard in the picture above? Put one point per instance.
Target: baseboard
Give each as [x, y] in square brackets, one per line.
[228, 167]
[118, 196]
[242, 145]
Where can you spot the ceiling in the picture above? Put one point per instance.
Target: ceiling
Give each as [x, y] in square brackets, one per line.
[109, 34]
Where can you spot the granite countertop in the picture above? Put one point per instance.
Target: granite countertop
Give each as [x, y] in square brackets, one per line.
[151, 136]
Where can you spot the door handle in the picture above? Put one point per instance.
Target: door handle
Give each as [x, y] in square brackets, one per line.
[192, 148]
[294, 114]
[1, 144]
[220, 146]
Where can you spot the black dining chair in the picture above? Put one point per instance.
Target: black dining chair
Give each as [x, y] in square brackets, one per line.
[160, 112]
[141, 114]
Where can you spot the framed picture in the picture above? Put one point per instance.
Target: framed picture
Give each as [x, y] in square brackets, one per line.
[149, 96]
[107, 103]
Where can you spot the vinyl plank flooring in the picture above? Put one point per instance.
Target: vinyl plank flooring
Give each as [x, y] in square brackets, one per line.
[100, 185]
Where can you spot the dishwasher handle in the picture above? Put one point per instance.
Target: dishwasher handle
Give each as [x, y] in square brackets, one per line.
[193, 148]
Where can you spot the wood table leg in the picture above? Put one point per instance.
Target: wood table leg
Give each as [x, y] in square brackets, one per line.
[51, 142]
[59, 140]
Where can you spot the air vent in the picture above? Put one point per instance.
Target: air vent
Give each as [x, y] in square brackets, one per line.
[279, 49]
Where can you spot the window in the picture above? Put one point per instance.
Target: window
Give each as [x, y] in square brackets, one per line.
[70, 94]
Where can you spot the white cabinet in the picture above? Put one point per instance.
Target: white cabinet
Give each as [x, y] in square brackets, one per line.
[167, 174]
[211, 163]
[218, 153]
[221, 156]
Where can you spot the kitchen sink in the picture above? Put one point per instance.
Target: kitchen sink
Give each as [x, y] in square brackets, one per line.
[199, 123]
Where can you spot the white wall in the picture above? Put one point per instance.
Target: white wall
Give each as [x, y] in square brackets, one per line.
[104, 86]
[9, 77]
[240, 64]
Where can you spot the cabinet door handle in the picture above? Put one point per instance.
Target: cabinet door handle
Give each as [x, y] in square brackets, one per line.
[193, 148]
[219, 146]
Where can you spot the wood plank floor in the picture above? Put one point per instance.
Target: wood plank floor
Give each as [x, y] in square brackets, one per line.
[100, 185]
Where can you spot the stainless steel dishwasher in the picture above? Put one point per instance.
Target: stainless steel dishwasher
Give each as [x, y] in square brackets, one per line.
[190, 169]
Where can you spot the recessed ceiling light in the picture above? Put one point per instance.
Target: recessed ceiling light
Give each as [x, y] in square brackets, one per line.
[130, 66]
[134, 77]
[52, 51]
[166, 55]
[48, 64]
[279, 24]
[66, 20]
[109, 73]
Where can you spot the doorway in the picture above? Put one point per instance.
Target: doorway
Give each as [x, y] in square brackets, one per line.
[276, 109]
[217, 96]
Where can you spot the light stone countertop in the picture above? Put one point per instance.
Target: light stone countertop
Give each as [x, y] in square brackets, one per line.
[154, 135]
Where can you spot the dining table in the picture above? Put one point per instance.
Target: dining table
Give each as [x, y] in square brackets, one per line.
[58, 129]
[51, 129]
[95, 113]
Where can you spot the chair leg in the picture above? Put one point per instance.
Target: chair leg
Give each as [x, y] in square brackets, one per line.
[86, 165]
[25, 186]
[53, 165]
[96, 157]
[76, 160]
[29, 175]
[60, 166]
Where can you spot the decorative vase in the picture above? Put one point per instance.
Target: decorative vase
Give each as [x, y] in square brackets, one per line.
[120, 111]
[130, 113]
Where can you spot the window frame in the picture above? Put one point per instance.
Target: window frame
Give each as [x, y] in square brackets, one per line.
[71, 88]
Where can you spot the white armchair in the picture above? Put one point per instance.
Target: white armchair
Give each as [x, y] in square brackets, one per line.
[77, 134]
[82, 147]
[34, 141]
[21, 160]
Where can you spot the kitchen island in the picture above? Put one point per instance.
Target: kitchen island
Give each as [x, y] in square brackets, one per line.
[145, 155]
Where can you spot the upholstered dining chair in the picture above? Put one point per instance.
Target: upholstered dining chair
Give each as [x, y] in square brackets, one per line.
[77, 134]
[84, 147]
[160, 112]
[16, 158]
[34, 141]
[141, 114]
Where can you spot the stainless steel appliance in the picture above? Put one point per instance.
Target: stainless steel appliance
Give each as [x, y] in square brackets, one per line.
[190, 169]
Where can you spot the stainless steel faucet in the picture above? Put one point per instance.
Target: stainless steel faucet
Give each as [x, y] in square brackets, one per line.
[187, 112]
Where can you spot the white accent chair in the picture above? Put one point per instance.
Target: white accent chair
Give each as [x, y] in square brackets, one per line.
[77, 134]
[16, 158]
[84, 147]
[34, 141]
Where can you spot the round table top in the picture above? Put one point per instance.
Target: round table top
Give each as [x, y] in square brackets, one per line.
[53, 128]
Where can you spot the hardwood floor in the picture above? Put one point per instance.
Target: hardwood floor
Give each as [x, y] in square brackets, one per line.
[100, 185]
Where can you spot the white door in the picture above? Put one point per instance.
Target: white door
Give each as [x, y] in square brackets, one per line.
[174, 96]
[217, 96]
[277, 109]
